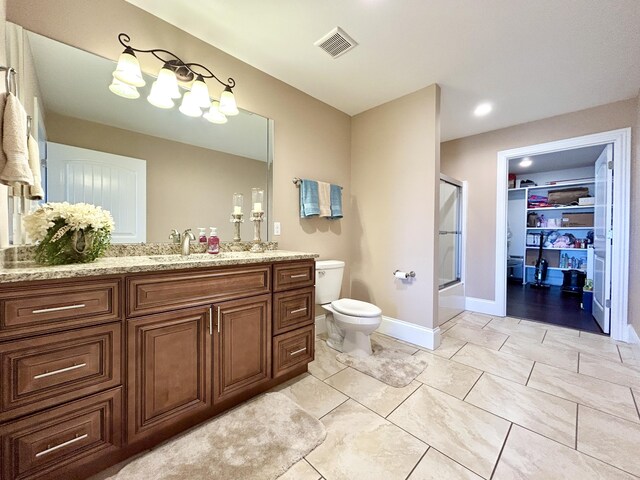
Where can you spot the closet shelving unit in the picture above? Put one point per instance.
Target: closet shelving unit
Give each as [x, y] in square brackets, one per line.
[555, 213]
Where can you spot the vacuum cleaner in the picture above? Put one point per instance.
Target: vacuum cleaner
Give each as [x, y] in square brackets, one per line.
[542, 266]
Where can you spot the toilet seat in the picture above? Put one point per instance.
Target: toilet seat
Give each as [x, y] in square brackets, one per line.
[356, 308]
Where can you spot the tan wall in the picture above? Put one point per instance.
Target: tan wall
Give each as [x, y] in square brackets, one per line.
[187, 186]
[311, 139]
[4, 205]
[474, 159]
[395, 166]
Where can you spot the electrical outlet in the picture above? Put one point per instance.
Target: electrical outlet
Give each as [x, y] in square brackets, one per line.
[276, 228]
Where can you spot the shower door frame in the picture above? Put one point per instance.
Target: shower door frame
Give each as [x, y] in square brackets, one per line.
[460, 229]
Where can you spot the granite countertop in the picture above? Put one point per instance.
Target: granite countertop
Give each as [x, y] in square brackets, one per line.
[19, 271]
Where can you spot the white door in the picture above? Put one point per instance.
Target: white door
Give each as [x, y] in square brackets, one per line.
[602, 239]
[114, 182]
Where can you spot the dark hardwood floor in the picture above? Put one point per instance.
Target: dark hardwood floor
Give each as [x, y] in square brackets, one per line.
[549, 306]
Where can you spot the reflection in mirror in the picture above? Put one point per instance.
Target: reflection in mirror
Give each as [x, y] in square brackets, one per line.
[154, 169]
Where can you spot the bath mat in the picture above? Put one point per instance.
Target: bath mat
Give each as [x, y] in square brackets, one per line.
[390, 366]
[259, 440]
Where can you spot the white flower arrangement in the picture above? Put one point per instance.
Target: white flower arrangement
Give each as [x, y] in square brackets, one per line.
[77, 216]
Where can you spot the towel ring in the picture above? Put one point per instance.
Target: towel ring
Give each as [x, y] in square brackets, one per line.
[10, 79]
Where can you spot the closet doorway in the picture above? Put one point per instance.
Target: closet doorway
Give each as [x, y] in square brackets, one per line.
[563, 234]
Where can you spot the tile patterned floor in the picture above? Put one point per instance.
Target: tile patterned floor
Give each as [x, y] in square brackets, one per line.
[501, 399]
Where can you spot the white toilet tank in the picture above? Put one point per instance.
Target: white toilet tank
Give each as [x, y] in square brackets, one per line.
[328, 280]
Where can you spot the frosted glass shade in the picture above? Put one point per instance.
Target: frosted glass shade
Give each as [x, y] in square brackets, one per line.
[228, 103]
[158, 98]
[128, 69]
[168, 83]
[200, 93]
[214, 115]
[189, 106]
[123, 90]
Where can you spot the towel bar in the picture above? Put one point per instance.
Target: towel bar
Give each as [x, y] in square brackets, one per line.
[297, 181]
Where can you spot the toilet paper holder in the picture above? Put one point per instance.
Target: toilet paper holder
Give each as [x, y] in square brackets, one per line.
[401, 274]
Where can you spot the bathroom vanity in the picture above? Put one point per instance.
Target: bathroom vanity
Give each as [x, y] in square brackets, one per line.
[101, 361]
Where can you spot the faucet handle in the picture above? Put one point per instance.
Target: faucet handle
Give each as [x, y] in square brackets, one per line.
[175, 236]
[188, 233]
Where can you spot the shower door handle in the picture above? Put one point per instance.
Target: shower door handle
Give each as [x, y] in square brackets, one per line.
[447, 232]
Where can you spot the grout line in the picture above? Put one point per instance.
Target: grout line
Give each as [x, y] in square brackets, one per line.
[310, 464]
[504, 443]
[505, 341]
[544, 336]
[530, 373]
[619, 353]
[401, 403]
[337, 406]
[579, 355]
[635, 401]
[577, 411]
[472, 386]
[454, 461]
[417, 463]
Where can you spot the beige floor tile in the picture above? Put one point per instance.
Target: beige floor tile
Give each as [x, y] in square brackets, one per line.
[508, 327]
[448, 347]
[549, 327]
[464, 433]
[363, 445]
[615, 372]
[501, 364]
[583, 345]
[436, 466]
[605, 396]
[315, 396]
[300, 471]
[388, 342]
[630, 354]
[370, 392]
[325, 363]
[598, 337]
[529, 456]
[610, 439]
[545, 414]
[450, 377]
[555, 356]
[476, 335]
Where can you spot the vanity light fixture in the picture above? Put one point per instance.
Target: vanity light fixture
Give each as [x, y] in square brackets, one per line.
[127, 78]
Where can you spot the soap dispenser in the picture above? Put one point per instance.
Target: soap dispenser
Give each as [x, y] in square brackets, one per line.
[214, 242]
[202, 236]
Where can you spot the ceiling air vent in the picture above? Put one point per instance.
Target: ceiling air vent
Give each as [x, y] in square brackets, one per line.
[336, 42]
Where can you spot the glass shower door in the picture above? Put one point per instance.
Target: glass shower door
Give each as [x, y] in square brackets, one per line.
[450, 231]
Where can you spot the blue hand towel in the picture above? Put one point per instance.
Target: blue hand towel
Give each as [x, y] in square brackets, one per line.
[336, 201]
[309, 204]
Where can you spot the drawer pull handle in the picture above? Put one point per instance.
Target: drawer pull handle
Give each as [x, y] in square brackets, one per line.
[62, 370]
[62, 445]
[298, 351]
[210, 321]
[59, 309]
[219, 322]
[302, 275]
[299, 310]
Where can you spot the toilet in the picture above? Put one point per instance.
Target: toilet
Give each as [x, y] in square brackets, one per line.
[350, 323]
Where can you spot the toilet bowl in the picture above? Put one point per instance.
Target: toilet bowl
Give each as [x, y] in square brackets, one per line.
[350, 323]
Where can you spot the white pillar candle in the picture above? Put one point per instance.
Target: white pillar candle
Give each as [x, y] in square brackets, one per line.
[257, 207]
[237, 210]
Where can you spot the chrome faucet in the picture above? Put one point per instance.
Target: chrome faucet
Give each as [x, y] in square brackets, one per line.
[175, 236]
[187, 236]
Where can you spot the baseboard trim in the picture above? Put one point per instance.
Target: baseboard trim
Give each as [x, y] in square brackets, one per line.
[632, 335]
[481, 305]
[409, 332]
[321, 324]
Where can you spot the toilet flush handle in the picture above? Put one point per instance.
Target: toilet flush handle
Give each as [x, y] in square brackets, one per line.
[321, 273]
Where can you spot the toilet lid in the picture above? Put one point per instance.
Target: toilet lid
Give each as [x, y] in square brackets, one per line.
[356, 308]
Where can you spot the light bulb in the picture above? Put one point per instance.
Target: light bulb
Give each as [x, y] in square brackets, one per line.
[189, 107]
[200, 93]
[128, 69]
[228, 102]
[123, 90]
[214, 115]
[483, 109]
[158, 98]
[168, 83]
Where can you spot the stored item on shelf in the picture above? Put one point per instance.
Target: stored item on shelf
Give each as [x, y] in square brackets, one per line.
[533, 239]
[527, 183]
[552, 256]
[587, 201]
[583, 219]
[568, 196]
[532, 220]
[512, 180]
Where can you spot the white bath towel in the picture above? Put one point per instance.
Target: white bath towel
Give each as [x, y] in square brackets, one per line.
[3, 158]
[35, 191]
[14, 143]
[324, 198]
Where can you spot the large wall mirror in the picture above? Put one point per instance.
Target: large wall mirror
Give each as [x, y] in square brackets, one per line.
[154, 169]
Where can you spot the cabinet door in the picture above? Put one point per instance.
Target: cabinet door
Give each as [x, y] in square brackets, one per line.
[169, 371]
[242, 346]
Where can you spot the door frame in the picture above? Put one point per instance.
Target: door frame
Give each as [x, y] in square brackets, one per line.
[621, 140]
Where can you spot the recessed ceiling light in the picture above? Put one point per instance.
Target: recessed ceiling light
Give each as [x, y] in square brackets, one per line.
[483, 109]
[525, 162]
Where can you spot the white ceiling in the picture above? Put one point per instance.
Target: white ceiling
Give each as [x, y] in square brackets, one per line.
[531, 59]
[562, 160]
[85, 95]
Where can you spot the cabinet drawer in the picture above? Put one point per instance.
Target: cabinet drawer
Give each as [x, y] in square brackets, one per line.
[31, 310]
[156, 293]
[293, 349]
[55, 442]
[293, 275]
[44, 371]
[292, 309]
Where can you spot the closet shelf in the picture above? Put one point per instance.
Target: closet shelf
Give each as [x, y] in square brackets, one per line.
[560, 228]
[570, 207]
[533, 247]
[558, 268]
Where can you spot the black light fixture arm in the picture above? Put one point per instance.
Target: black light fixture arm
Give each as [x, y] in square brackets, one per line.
[176, 62]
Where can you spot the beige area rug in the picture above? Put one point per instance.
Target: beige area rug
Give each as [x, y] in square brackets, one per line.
[259, 440]
[393, 367]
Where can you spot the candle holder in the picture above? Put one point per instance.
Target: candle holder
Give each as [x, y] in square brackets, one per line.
[237, 219]
[257, 218]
